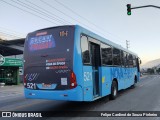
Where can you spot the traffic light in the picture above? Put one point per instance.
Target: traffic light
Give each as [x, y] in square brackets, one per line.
[129, 9]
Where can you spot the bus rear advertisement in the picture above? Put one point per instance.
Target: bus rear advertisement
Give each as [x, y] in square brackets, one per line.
[74, 64]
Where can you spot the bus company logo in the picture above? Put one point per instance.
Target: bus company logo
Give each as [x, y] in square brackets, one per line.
[2, 60]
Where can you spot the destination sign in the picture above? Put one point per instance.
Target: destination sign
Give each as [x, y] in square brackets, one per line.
[41, 42]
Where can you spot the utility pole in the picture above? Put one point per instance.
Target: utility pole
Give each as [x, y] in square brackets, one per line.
[127, 44]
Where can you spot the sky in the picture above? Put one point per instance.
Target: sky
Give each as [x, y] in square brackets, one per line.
[107, 18]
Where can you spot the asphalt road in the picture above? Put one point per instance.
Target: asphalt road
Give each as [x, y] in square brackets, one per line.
[144, 97]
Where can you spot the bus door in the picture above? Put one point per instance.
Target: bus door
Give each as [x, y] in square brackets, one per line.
[95, 60]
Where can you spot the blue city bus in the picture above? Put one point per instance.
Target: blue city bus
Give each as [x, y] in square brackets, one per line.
[72, 63]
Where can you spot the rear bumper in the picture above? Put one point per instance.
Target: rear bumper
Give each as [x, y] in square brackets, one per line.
[75, 94]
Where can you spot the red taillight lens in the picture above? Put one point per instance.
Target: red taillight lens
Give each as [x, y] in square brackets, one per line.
[73, 82]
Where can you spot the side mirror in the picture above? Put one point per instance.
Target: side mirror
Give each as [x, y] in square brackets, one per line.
[140, 62]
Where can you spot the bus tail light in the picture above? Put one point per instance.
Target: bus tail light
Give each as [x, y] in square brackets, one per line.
[73, 82]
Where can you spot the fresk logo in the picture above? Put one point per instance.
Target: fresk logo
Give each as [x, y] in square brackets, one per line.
[2, 60]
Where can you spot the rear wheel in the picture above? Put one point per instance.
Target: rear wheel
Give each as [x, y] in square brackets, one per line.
[135, 81]
[114, 90]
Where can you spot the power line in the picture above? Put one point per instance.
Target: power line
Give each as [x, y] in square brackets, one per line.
[79, 15]
[84, 18]
[11, 35]
[43, 14]
[61, 12]
[73, 11]
[4, 34]
[11, 31]
[33, 9]
[38, 11]
[70, 16]
[64, 13]
[49, 12]
[27, 11]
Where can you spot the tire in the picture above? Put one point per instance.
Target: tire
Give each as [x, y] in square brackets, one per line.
[114, 90]
[134, 85]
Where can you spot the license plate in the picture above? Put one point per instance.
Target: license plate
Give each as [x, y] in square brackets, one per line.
[46, 85]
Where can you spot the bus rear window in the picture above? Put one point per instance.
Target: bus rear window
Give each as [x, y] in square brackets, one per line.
[50, 41]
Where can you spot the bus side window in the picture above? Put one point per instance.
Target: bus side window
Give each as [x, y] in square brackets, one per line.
[130, 60]
[125, 59]
[122, 59]
[134, 61]
[116, 57]
[85, 50]
[106, 54]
